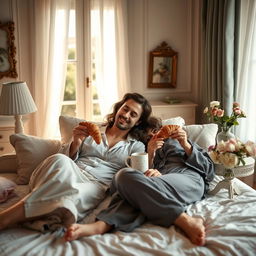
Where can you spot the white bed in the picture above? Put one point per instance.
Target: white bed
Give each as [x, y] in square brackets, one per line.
[230, 227]
[230, 230]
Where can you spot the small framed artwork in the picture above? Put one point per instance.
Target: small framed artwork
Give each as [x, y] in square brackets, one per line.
[7, 51]
[162, 67]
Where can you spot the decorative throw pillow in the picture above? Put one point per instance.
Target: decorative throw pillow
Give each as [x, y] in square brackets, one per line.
[6, 189]
[204, 135]
[30, 151]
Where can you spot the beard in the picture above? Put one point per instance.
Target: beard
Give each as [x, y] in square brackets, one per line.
[123, 124]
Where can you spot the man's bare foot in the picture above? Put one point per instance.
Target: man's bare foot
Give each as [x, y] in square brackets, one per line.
[76, 231]
[193, 227]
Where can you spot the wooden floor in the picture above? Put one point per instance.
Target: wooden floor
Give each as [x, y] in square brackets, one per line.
[249, 180]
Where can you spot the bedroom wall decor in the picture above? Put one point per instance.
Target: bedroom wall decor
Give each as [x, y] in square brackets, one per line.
[7, 50]
[162, 67]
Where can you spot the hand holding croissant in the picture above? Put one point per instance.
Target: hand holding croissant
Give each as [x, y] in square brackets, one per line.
[167, 130]
[93, 131]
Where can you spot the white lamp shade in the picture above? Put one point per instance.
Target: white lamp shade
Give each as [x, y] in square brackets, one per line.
[16, 99]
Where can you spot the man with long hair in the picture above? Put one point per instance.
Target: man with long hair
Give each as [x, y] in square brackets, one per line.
[64, 187]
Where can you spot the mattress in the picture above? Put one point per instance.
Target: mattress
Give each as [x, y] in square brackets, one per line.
[230, 230]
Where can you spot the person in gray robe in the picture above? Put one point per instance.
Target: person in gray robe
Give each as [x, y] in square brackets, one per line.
[180, 175]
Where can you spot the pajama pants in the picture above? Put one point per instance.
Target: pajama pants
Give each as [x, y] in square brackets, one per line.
[58, 183]
[159, 200]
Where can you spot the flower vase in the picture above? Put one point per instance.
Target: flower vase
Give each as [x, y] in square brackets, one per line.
[225, 135]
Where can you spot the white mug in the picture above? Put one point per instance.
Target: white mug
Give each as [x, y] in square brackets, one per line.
[138, 161]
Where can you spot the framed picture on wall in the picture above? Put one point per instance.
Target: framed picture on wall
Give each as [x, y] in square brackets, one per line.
[162, 67]
[7, 51]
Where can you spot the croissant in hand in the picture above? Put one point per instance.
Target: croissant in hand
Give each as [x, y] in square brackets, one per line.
[167, 130]
[93, 130]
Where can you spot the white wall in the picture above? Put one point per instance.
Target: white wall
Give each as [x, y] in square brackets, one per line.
[176, 22]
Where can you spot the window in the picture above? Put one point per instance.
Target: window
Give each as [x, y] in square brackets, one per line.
[86, 77]
[69, 101]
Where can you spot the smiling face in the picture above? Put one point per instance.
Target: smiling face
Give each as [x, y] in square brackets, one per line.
[128, 115]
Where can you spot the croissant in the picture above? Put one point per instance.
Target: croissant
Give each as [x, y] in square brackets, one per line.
[93, 130]
[167, 130]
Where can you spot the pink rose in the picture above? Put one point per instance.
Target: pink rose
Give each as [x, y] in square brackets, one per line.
[214, 111]
[237, 111]
[220, 113]
[230, 147]
[233, 141]
[236, 104]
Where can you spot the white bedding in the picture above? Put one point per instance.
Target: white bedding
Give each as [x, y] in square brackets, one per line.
[230, 228]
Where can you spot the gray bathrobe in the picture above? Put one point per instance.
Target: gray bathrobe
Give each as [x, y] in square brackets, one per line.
[137, 198]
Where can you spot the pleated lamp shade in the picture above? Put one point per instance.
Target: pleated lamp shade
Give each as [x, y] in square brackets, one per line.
[16, 100]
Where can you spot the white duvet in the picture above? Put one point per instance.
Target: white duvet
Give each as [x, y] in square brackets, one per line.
[230, 230]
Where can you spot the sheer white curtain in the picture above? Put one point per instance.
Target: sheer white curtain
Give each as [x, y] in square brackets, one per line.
[246, 82]
[109, 37]
[50, 20]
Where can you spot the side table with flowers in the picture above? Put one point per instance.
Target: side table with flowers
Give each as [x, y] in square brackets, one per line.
[233, 159]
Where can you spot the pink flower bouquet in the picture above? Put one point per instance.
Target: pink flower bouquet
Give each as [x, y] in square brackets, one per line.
[231, 153]
[217, 115]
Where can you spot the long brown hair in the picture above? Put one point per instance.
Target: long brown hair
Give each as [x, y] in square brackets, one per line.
[146, 112]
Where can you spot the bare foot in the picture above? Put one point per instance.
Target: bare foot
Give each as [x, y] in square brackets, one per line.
[76, 231]
[193, 227]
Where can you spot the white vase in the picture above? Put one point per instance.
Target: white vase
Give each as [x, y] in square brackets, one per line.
[225, 135]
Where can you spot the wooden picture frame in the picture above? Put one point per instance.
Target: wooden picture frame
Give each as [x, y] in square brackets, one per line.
[162, 67]
[7, 51]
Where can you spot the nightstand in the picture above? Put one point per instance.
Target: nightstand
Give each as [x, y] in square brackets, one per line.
[184, 109]
[5, 146]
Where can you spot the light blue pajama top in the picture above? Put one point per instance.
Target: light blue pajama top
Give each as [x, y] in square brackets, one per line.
[103, 162]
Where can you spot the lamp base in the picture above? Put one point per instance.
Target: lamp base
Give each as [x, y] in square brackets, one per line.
[19, 128]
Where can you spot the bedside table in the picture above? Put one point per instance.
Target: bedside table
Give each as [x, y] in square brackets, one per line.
[5, 146]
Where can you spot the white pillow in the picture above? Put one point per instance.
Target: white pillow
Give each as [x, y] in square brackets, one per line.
[30, 151]
[174, 120]
[204, 135]
[67, 123]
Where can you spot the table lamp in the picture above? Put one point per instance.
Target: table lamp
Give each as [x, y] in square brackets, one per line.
[16, 100]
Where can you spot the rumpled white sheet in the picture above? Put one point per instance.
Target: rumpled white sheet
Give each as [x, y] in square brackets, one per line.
[230, 229]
